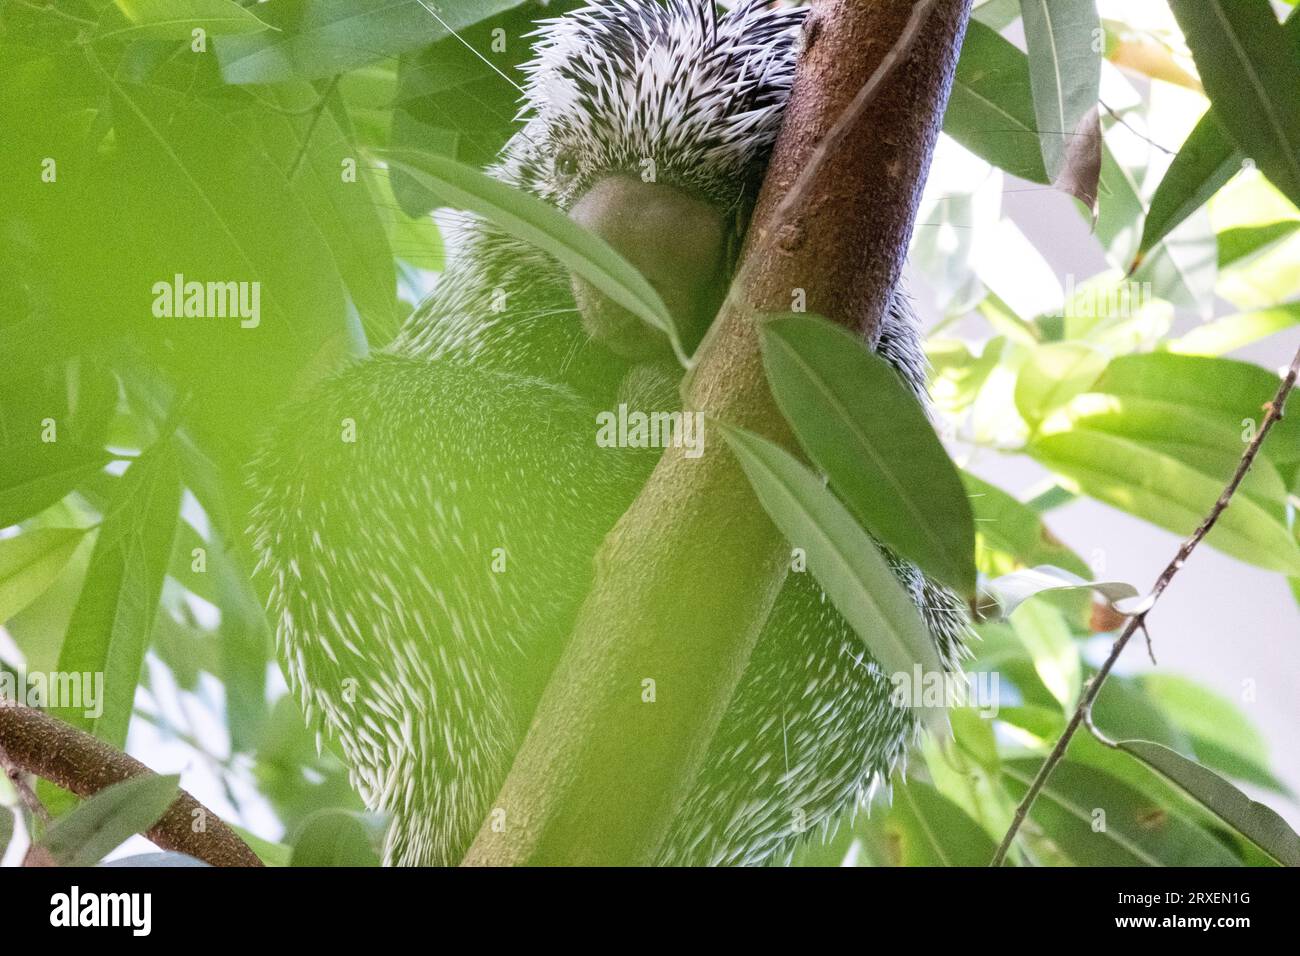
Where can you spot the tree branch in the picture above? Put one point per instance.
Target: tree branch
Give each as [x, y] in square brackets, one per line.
[1138, 621]
[38, 743]
[685, 581]
[18, 778]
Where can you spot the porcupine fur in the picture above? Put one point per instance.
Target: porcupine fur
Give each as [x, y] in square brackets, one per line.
[474, 432]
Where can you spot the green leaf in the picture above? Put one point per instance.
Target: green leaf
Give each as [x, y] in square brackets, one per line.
[31, 562]
[1236, 331]
[991, 109]
[998, 14]
[1053, 374]
[451, 97]
[861, 425]
[958, 376]
[166, 202]
[1065, 78]
[326, 37]
[530, 219]
[6, 829]
[1130, 714]
[1221, 390]
[841, 555]
[1207, 160]
[311, 149]
[1160, 488]
[1132, 829]
[1000, 649]
[1043, 631]
[925, 828]
[414, 240]
[1256, 822]
[114, 616]
[268, 851]
[1252, 75]
[176, 19]
[1012, 590]
[86, 834]
[1221, 736]
[337, 838]
[1240, 245]
[37, 474]
[1008, 525]
[245, 645]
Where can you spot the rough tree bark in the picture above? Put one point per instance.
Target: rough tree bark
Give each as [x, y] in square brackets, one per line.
[40, 744]
[687, 578]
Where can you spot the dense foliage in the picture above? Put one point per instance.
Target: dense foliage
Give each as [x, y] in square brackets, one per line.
[300, 144]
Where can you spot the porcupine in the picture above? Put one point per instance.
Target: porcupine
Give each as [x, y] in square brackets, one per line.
[474, 445]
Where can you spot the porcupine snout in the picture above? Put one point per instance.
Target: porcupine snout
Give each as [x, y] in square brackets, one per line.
[677, 241]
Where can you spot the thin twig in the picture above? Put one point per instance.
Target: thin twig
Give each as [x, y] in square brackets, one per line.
[19, 779]
[1142, 136]
[1138, 620]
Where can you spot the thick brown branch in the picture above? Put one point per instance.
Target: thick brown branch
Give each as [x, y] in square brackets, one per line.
[685, 581]
[1138, 621]
[38, 743]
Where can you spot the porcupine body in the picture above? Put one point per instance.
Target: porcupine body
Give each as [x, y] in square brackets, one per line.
[426, 574]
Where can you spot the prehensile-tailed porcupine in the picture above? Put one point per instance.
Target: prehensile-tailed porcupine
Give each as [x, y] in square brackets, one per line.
[474, 437]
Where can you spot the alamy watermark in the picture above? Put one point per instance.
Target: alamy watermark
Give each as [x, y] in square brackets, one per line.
[940, 689]
[634, 429]
[1122, 300]
[71, 690]
[190, 299]
[133, 911]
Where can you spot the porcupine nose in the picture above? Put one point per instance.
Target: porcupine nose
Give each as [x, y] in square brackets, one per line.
[677, 241]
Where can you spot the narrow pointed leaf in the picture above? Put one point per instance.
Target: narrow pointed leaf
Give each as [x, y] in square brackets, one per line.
[925, 828]
[36, 475]
[1095, 819]
[86, 834]
[530, 219]
[114, 615]
[1044, 633]
[1011, 590]
[991, 110]
[1162, 489]
[1065, 77]
[1207, 160]
[1220, 735]
[848, 566]
[1256, 822]
[31, 562]
[1053, 375]
[867, 432]
[1223, 390]
[1236, 331]
[1012, 527]
[1248, 64]
[327, 37]
[177, 19]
